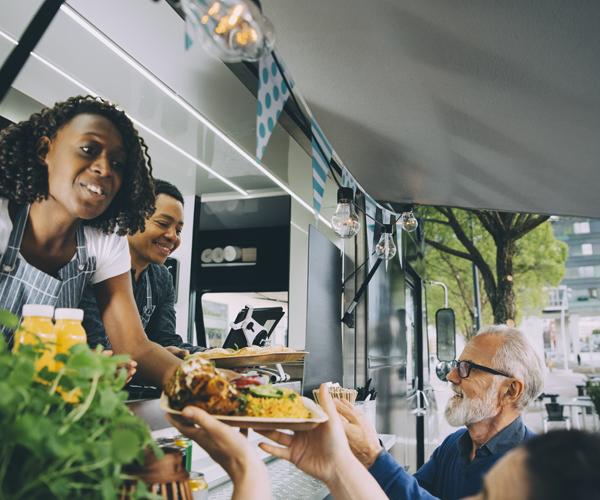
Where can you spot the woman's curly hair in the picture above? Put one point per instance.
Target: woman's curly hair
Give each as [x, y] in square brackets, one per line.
[24, 175]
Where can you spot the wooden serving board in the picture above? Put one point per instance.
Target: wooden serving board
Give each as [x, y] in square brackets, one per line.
[232, 361]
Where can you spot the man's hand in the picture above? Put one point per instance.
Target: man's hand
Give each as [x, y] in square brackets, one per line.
[177, 351]
[361, 435]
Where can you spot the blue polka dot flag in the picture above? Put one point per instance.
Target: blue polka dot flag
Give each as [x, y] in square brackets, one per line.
[321, 157]
[272, 94]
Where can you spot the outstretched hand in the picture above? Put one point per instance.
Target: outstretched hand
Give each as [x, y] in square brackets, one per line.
[224, 444]
[361, 435]
[325, 454]
[319, 452]
[229, 448]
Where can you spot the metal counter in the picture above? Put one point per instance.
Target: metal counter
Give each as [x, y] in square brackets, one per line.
[288, 482]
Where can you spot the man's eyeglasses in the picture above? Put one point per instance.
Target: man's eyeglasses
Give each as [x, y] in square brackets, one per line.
[464, 368]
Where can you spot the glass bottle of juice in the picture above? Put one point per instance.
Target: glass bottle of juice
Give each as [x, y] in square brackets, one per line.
[35, 327]
[68, 328]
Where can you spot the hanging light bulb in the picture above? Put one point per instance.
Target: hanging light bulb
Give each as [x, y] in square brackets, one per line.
[385, 248]
[232, 30]
[409, 222]
[345, 221]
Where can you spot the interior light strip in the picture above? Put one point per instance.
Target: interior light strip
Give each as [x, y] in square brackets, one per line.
[138, 123]
[116, 49]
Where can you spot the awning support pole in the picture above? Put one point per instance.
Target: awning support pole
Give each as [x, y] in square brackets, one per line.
[33, 33]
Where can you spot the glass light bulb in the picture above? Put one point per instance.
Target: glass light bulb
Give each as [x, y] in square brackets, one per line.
[385, 248]
[409, 222]
[345, 221]
[232, 30]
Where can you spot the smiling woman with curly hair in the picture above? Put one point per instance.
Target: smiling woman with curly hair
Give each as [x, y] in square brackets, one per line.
[74, 179]
[24, 174]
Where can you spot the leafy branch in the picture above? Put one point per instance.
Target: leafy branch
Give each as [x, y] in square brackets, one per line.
[493, 242]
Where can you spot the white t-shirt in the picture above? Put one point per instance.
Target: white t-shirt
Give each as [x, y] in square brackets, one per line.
[111, 250]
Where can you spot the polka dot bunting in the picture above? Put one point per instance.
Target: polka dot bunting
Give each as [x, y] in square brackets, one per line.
[272, 95]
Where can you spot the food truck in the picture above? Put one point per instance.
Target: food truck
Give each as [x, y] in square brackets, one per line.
[434, 118]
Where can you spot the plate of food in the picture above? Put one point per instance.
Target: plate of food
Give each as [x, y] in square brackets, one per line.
[238, 400]
[252, 356]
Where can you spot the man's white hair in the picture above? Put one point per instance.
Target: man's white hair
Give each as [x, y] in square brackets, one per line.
[517, 357]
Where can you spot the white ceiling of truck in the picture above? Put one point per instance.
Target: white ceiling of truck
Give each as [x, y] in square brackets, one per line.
[476, 104]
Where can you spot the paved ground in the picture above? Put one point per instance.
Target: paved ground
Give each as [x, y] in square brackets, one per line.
[564, 384]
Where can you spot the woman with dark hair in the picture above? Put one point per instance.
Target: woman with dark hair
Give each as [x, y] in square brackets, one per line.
[74, 179]
[554, 466]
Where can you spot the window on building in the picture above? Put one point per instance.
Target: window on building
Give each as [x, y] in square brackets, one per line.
[581, 227]
[586, 272]
[571, 272]
[586, 249]
[593, 293]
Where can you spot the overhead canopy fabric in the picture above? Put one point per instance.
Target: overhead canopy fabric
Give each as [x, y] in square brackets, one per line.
[474, 104]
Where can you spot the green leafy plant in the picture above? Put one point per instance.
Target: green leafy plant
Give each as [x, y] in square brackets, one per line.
[66, 434]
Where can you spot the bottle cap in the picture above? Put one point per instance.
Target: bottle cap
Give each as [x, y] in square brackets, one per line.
[43, 311]
[75, 314]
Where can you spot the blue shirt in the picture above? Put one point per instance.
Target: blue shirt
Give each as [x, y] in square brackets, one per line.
[448, 474]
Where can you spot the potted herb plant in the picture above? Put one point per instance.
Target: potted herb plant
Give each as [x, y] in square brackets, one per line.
[66, 434]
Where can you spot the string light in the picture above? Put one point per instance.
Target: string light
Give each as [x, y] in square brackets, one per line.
[232, 30]
[344, 221]
[409, 222]
[385, 248]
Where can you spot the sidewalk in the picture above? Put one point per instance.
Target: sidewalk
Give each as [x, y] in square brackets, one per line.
[558, 382]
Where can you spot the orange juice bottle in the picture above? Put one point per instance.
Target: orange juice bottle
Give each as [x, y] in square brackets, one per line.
[68, 329]
[37, 326]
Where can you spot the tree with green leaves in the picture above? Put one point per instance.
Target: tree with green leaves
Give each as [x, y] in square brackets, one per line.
[516, 255]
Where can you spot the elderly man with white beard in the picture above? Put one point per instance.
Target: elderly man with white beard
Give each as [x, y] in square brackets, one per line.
[496, 375]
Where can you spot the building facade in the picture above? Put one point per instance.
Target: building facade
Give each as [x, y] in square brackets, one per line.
[582, 278]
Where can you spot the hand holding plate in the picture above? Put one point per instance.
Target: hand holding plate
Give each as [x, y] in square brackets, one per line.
[228, 448]
[318, 452]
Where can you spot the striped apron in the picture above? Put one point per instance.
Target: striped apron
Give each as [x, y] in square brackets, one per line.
[21, 283]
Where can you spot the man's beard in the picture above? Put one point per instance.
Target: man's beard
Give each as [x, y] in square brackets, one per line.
[464, 411]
